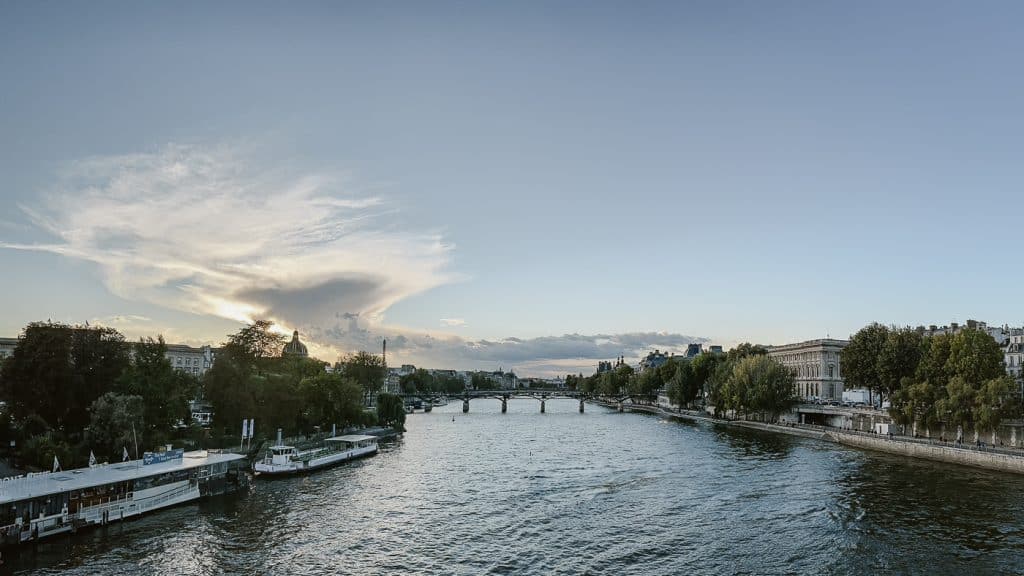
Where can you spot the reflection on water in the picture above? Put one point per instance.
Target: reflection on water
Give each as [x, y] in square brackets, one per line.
[748, 443]
[570, 493]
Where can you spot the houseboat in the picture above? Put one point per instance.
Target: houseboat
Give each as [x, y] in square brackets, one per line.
[283, 460]
[35, 506]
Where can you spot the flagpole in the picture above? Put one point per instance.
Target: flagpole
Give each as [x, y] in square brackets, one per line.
[136, 439]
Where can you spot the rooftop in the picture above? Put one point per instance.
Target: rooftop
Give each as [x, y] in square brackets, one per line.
[350, 438]
[14, 489]
[821, 342]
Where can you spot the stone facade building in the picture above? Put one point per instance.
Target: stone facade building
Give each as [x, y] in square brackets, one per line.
[655, 359]
[1013, 354]
[7, 346]
[815, 364]
[195, 361]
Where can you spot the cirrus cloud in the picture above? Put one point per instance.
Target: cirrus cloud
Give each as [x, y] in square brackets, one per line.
[212, 231]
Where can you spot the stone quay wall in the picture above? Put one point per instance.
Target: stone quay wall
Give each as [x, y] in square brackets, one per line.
[991, 459]
[943, 453]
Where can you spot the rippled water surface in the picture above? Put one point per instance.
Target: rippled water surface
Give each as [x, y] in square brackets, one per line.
[570, 493]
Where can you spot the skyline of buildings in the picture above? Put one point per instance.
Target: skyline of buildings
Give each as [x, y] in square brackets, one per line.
[815, 362]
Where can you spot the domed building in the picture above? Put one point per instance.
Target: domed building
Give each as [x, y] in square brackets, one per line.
[295, 349]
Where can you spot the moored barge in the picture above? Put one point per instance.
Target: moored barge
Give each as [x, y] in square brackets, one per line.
[283, 460]
[39, 505]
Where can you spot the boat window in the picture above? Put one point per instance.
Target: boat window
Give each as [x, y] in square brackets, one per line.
[161, 479]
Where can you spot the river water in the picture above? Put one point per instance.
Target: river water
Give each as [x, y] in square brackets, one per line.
[569, 493]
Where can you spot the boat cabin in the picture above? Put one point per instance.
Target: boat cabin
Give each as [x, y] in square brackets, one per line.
[281, 455]
[352, 441]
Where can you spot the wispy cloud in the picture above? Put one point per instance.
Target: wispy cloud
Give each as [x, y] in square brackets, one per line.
[209, 230]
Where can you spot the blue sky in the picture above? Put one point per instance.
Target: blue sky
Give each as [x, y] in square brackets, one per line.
[479, 180]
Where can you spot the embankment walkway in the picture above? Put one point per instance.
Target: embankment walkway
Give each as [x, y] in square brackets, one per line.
[990, 458]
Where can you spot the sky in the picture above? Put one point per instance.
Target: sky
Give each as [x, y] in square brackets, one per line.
[533, 186]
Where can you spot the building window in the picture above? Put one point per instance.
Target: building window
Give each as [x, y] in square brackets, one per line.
[831, 369]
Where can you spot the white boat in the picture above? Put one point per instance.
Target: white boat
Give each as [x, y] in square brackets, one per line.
[283, 460]
[48, 503]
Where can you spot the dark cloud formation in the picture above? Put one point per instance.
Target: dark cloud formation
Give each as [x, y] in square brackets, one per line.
[583, 346]
[546, 355]
[310, 306]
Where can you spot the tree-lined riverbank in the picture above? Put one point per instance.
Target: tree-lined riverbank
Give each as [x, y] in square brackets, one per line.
[989, 458]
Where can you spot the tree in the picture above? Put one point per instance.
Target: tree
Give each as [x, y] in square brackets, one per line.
[255, 341]
[297, 367]
[114, 416]
[958, 403]
[713, 388]
[165, 392]
[229, 386]
[331, 399]
[744, 350]
[760, 384]
[277, 402]
[672, 390]
[57, 371]
[898, 359]
[859, 359]
[590, 384]
[916, 402]
[687, 388]
[615, 382]
[479, 381]
[449, 384]
[367, 370]
[993, 402]
[704, 366]
[975, 356]
[419, 381]
[38, 452]
[647, 383]
[979, 392]
[391, 411]
[934, 359]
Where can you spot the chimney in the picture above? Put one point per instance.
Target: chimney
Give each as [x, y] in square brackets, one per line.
[279, 441]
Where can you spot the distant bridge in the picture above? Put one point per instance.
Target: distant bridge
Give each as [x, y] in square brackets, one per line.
[504, 396]
[542, 396]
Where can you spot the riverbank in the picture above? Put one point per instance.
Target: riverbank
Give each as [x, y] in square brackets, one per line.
[990, 459]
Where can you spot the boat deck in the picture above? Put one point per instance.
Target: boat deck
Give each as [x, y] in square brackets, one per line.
[46, 483]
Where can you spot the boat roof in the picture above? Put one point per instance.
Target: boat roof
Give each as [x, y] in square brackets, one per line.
[46, 483]
[350, 438]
